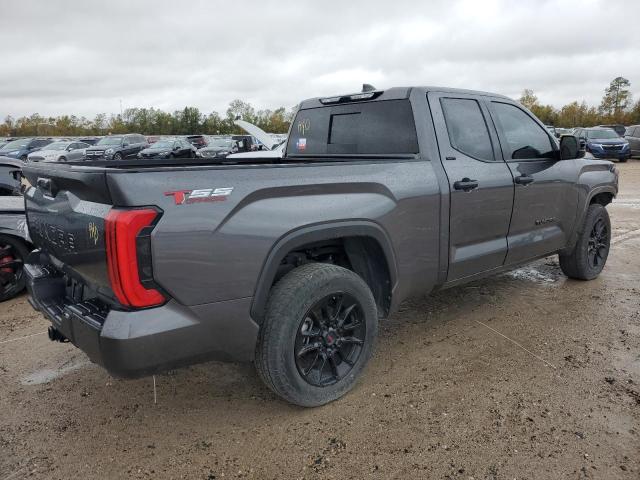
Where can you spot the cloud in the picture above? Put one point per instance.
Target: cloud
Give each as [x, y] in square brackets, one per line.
[64, 57]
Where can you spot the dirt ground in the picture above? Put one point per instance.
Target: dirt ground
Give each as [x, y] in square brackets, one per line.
[524, 375]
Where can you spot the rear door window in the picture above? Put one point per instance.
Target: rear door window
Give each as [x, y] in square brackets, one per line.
[525, 138]
[467, 128]
[370, 128]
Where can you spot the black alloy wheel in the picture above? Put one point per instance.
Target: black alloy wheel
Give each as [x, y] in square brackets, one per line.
[591, 250]
[330, 339]
[598, 246]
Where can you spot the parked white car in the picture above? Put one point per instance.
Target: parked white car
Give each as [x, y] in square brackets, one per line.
[63, 151]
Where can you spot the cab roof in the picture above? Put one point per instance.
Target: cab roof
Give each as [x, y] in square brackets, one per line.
[394, 93]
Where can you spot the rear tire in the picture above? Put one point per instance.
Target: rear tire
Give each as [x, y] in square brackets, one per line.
[13, 253]
[318, 334]
[623, 160]
[590, 253]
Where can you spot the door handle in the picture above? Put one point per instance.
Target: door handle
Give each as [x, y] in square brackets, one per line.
[524, 179]
[465, 184]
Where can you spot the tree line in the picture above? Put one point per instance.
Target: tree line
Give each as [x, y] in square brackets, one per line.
[616, 107]
[150, 121]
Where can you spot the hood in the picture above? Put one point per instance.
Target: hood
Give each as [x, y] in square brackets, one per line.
[608, 141]
[257, 132]
[13, 152]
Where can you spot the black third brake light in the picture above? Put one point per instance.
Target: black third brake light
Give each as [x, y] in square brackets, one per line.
[129, 256]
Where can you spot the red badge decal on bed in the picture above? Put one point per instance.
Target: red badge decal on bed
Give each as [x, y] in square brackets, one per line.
[182, 197]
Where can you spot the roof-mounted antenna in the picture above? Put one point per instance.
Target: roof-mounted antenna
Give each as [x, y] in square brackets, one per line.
[368, 88]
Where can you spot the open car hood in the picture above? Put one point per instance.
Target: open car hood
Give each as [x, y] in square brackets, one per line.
[277, 152]
[257, 132]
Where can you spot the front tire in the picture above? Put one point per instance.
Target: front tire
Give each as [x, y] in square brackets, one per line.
[117, 156]
[590, 253]
[318, 334]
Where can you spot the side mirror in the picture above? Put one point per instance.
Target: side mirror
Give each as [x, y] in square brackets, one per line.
[570, 148]
[176, 147]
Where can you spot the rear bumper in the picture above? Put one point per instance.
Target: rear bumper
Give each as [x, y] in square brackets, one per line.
[142, 342]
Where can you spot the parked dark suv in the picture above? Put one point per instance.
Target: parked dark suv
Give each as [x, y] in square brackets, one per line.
[604, 142]
[632, 136]
[117, 147]
[22, 147]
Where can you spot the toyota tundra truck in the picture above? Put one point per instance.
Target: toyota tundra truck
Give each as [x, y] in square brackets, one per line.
[291, 261]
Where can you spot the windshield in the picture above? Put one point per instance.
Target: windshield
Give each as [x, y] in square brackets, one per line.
[163, 144]
[221, 143]
[604, 133]
[22, 143]
[110, 141]
[57, 146]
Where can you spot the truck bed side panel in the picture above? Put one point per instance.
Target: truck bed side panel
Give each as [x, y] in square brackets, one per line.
[214, 251]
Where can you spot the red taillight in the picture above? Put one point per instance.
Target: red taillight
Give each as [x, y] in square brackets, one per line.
[122, 228]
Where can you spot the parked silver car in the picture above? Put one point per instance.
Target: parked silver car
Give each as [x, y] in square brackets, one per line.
[62, 151]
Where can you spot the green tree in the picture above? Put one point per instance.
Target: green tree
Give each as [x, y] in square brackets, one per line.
[617, 97]
[528, 98]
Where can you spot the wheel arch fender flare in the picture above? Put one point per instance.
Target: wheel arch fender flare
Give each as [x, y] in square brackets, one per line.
[316, 233]
[582, 212]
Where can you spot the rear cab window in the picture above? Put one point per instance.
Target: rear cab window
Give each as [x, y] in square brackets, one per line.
[384, 127]
[467, 128]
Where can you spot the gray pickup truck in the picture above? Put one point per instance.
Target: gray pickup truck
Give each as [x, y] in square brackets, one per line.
[290, 262]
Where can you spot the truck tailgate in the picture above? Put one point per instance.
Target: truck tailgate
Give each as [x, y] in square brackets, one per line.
[66, 213]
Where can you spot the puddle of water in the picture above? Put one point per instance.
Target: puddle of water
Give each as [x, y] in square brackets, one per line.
[47, 375]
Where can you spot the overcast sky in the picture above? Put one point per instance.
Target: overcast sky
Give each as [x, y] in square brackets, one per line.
[84, 57]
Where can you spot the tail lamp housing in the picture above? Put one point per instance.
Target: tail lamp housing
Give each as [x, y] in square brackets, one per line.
[129, 256]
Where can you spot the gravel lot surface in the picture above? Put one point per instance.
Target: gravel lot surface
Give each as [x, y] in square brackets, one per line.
[523, 375]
